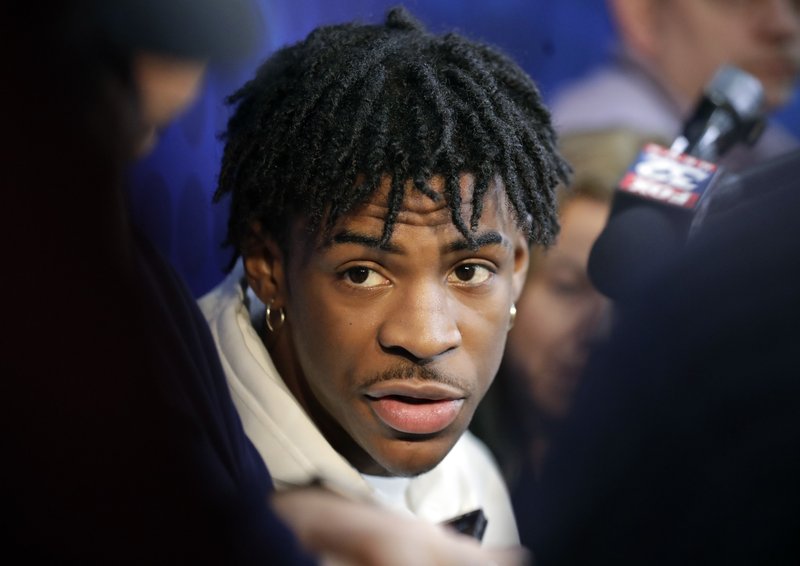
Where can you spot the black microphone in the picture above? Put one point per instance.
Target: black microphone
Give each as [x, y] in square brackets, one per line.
[730, 111]
[654, 207]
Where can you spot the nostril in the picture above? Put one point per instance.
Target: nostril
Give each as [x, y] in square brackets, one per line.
[401, 352]
[410, 356]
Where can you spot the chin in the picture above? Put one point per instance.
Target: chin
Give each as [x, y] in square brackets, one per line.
[412, 457]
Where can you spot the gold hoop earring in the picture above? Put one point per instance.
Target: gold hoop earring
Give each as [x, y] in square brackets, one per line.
[512, 316]
[268, 317]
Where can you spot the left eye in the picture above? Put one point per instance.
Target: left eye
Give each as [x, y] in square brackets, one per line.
[364, 277]
[470, 273]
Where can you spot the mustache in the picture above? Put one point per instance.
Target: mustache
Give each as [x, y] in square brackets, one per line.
[420, 373]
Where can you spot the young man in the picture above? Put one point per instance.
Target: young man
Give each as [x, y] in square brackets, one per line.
[385, 186]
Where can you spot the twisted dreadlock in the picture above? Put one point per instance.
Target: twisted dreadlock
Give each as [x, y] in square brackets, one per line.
[325, 119]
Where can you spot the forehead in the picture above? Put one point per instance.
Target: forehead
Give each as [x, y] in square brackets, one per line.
[418, 209]
[417, 206]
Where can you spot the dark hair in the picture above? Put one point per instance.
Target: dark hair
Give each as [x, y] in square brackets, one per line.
[325, 119]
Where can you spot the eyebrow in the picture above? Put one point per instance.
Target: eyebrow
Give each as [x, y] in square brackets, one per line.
[351, 237]
[490, 238]
[486, 239]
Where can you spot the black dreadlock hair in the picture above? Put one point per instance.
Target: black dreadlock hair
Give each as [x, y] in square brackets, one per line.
[324, 120]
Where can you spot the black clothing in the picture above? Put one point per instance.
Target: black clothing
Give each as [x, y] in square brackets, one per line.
[683, 446]
[121, 443]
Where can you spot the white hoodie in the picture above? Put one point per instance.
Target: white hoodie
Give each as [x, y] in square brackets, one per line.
[296, 453]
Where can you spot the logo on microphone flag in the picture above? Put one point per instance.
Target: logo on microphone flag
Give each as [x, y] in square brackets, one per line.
[665, 176]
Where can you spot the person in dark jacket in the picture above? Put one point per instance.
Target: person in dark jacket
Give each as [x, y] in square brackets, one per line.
[682, 447]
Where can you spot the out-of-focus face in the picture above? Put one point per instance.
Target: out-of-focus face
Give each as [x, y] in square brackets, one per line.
[694, 37]
[391, 348]
[559, 312]
[166, 86]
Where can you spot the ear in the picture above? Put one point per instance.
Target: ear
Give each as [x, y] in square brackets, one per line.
[521, 261]
[265, 267]
[636, 22]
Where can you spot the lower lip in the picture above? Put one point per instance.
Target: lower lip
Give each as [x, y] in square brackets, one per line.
[424, 417]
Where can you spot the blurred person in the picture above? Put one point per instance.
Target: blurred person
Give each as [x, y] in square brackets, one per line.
[122, 444]
[121, 448]
[560, 316]
[385, 186]
[682, 444]
[669, 51]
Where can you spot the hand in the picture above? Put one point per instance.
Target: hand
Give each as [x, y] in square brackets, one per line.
[343, 532]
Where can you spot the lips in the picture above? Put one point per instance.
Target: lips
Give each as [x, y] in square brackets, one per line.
[426, 410]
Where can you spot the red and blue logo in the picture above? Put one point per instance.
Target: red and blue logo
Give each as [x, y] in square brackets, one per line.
[673, 178]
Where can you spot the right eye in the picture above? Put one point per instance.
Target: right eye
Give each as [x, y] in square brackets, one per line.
[361, 276]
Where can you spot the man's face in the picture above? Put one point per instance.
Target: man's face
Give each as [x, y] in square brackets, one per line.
[694, 37]
[394, 347]
[559, 312]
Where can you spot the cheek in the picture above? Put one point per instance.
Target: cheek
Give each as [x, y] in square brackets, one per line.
[731, 43]
[321, 337]
[335, 343]
[698, 49]
[488, 360]
[484, 332]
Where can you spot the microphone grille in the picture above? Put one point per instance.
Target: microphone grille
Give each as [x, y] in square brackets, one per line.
[739, 89]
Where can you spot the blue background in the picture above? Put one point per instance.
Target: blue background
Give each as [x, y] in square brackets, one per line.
[170, 190]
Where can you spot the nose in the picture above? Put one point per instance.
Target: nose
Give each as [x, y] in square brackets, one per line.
[421, 325]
